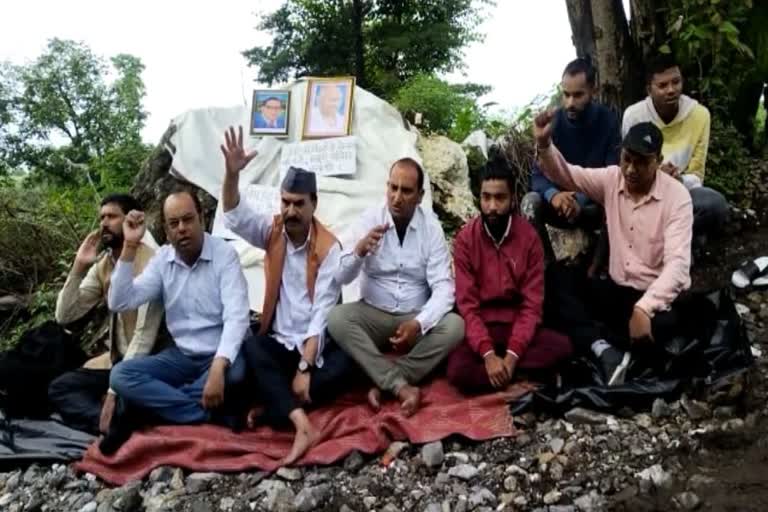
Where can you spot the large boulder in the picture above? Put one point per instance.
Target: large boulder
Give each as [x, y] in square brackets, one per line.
[446, 164]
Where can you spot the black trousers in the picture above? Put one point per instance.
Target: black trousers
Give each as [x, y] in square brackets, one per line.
[590, 309]
[78, 396]
[272, 368]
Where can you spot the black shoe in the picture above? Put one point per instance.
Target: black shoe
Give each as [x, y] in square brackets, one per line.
[614, 364]
[115, 437]
[120, 429]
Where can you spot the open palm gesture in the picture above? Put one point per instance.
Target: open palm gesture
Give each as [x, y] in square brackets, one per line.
[235, 157]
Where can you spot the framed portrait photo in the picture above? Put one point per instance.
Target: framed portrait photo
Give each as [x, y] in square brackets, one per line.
[328, 110]
[269, 112]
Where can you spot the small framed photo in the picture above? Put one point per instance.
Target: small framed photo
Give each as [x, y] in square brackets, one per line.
[269, 113]
[328, 111]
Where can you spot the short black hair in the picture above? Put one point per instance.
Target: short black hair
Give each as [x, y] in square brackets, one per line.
[582, 65]
[414, 163]
[183, 189]
[126, 202]
[493, 171]
[270, 99]
[660, 64]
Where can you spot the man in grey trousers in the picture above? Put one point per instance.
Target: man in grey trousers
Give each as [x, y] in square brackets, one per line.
[407, 292]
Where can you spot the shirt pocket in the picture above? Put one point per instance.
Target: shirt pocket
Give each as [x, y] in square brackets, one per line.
[651, 252]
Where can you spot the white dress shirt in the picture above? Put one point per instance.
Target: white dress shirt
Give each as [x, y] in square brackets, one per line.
[206, 305]
[414, 277]
[297, 317]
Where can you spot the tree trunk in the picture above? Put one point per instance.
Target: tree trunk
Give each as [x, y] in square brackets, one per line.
[580, 18]
[358, 15]
[619, 76]
[647, 28]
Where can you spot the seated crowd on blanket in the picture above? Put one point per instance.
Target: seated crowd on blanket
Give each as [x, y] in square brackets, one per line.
[479, 312]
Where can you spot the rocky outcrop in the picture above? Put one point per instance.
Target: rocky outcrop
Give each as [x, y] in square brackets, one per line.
[156, 179]
[446, 164]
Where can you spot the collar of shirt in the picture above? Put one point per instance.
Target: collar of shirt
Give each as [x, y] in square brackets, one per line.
[654, 193]
[296, 248]
[413, 224]
[503, 238]
[205, 254]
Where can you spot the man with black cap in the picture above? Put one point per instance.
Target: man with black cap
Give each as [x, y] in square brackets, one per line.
[650, 218]
[292, 362]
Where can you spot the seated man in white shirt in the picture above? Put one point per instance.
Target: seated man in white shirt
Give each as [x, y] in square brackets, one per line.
[291, 362]
[407, 292]
[201, 284]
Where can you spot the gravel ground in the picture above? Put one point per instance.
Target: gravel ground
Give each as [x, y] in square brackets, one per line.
[698, 453]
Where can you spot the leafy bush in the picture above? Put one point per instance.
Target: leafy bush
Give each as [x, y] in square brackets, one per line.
[445, 109]
[40, 230]
[729, 165]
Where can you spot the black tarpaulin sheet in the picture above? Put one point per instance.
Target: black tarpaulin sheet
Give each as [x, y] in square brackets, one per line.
[680, 365]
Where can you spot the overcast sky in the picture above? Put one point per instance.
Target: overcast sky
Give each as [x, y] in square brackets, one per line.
[192, 49]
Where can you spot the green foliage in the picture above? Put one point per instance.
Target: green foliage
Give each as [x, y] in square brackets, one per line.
[711, 38]
[40, 230]
[70, 132]
[60, 112]
[384, 43]
[728, 162]
[446, 109]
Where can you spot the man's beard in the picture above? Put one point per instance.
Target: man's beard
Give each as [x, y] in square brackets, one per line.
[497, 225]
[111, 240]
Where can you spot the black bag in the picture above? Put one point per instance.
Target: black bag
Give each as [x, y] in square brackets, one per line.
[41, 355]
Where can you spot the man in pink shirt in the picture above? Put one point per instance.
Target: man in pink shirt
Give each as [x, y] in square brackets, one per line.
[650, 218]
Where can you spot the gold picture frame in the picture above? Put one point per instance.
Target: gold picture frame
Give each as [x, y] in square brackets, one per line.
[328, 107]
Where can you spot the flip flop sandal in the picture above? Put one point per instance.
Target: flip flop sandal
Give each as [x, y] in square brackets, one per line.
[751, 273]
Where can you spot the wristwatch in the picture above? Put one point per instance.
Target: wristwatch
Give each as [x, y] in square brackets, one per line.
[304, 366]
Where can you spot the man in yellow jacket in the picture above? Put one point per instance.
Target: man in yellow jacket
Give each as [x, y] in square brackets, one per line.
[685, 125]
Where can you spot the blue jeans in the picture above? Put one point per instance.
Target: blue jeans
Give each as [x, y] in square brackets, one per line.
[170, 384]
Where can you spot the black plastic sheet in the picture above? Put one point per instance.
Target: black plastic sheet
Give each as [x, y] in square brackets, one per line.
[722, 350]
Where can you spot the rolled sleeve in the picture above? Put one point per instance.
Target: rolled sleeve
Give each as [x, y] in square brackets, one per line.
[233, 291]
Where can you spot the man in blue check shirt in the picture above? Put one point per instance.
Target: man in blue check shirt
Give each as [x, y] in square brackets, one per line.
[201, 284]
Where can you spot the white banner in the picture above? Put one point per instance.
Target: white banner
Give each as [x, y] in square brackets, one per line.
[327, 157]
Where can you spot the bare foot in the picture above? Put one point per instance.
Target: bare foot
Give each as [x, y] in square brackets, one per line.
[374, 398]
[409, 397]
[306, 438]
[253, 416]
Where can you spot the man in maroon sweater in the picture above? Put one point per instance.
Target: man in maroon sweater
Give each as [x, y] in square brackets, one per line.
[499, 264]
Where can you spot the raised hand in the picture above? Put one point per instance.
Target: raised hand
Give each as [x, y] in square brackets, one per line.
[370, 242]
[88, 252]
[134, 227]
[235, 157]
[542, 127]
